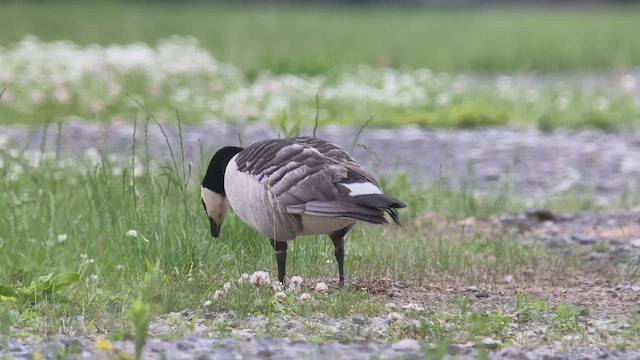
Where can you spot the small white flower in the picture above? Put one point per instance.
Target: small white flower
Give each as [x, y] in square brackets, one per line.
[207, 303]
[562, 102]
[119, 267]
[628, 83]
[217, 294]
[226, 287]
[296, 280]
[260, 278]
[94, 278]
[91, 261]
[329, 261]
[601, 103]
[244, 279]
[305, 297]
[62, 95]
[132, 233]
[443, 99]
[62, 238]
[395, 316]
[321, 287]
[280, 297]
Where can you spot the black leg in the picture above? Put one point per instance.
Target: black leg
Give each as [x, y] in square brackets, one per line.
[280, 248]
[338, 241]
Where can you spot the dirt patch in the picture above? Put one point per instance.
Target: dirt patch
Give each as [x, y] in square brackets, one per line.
[584, 292]
[602, 248]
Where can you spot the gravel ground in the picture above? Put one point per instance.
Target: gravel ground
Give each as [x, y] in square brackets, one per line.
[273, 348]
[528, 161]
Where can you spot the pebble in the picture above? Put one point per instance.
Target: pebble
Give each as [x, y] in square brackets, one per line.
[491, 343]
[635, 243]
[512, 353]
[359, 319]
[585, 239]
[406, 345]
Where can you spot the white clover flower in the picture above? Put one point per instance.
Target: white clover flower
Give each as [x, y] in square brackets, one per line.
[94, 278]
[226, 287]
[119, 267]
[628, 83]
[329, 262]
[295, 283]
[296, 280]
[62, 95]
[62, 238]
[217, 294]
[132, 233]
[280, 297]
[207, 303]
[321, 287]
[305, 297]
[244, 279]
[414, 307]
[395, 316]
[260, 278]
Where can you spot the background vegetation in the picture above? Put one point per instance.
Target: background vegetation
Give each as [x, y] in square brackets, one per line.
[313, 40]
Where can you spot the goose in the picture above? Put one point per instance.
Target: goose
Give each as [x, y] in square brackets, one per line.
[285, 188]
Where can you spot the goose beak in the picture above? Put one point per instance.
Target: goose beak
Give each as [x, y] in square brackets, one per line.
[215, 228]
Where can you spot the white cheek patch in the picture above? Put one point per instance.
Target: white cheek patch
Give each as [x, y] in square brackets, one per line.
[364, 188]
[215, 204]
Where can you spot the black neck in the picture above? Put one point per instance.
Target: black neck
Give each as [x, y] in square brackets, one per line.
[214, 179]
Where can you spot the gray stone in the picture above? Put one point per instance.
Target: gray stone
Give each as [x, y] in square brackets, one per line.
[490, 343]
[359, 319]
[159, 329]
[635, 243]
[184, 346]
[512, 353]
[583, 239]
[406, 345]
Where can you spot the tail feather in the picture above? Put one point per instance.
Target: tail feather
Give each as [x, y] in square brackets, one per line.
[382, 202]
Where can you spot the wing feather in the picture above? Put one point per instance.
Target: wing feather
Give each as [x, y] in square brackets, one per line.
[308, 176]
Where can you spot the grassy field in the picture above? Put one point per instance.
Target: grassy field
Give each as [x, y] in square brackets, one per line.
[316, 40]
[117, 243]
[268, 63]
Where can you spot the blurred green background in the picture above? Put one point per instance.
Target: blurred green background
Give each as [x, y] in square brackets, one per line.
[313, 39]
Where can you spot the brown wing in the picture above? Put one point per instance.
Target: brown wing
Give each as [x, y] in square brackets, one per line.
[313, 180]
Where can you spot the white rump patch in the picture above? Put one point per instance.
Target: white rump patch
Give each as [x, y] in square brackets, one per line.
[364, 188]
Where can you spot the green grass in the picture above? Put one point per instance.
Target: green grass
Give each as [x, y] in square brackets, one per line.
[313, 40]
[107, 277]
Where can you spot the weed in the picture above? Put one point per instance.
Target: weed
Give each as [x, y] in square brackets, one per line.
[140, 315]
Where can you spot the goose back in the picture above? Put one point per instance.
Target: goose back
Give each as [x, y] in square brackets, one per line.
[300, 186]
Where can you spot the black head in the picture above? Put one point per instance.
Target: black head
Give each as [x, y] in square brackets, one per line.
[214, 178]
[214, 198]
